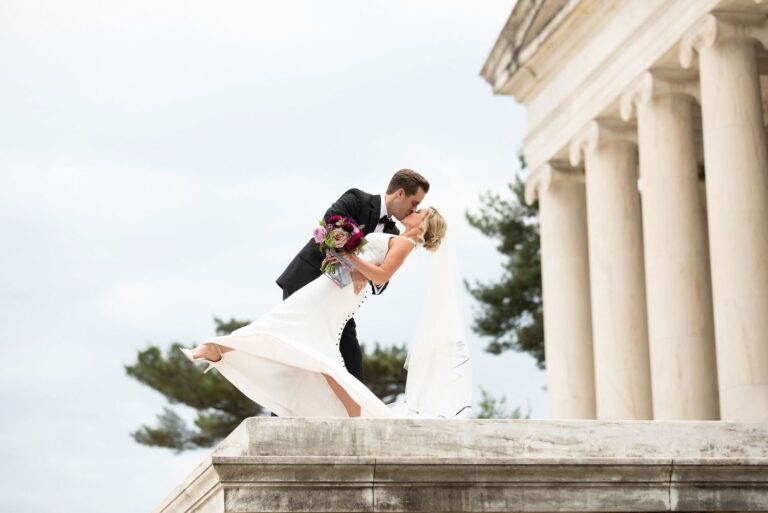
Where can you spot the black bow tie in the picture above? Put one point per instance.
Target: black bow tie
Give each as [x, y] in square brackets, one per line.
[389, 224]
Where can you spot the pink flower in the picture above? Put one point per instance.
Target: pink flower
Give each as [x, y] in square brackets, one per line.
[319, 234]
[339, 237]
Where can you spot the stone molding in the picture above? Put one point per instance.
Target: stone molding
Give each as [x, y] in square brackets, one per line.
[269, 484]
[511, 54]
[656, 83]
[535, 61]
[409, 465]
[556, 113]
[721, 26]
[548, 175]
[597, 132]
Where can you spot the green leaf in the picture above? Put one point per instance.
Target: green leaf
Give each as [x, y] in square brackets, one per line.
[384, 371]
[492, 408]
[510, 309]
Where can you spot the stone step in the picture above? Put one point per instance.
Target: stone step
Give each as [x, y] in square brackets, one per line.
[401, 465]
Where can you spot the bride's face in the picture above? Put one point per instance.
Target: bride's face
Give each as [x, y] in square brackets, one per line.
[415, 219]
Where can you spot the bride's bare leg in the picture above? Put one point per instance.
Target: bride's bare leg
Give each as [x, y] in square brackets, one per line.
[353, 409]
[208, 351]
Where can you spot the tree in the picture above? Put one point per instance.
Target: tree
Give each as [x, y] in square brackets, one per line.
[492, 408]
[511, 308]
[220, 406]
[384, 371]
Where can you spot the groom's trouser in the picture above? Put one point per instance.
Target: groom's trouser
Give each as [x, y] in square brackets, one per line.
[350, 350]
[349, 347]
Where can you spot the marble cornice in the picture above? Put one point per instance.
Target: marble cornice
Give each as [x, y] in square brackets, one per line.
[554, 120]
[509, 42]
[556, 113]
[513, 69]
[544, 56]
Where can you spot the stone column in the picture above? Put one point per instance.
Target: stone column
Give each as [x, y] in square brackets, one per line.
[764, 88]
[736, 157]
[620, 336]
[681, 334]
[565, 286]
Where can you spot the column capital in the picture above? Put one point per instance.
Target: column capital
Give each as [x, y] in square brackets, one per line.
[655, 83]
[549, 174]
[597, 132]
[720, 26]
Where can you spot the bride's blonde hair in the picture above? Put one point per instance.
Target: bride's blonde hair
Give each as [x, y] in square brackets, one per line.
[434, 228]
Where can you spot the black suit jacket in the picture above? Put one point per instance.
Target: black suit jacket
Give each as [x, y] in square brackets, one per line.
[362, 207]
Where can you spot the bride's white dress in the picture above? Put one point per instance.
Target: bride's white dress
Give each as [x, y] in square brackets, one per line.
[279, 358]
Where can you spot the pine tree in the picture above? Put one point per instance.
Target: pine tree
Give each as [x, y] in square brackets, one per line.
[492, 408]
[511, 308]
[384, 372]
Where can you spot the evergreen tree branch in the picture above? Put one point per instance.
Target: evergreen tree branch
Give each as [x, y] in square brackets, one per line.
[510, 310]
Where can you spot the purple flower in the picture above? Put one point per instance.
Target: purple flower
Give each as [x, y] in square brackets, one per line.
[319, 234]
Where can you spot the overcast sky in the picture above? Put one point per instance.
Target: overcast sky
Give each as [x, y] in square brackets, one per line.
[162, 161]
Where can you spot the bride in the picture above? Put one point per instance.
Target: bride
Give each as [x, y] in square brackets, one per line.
[288, 360]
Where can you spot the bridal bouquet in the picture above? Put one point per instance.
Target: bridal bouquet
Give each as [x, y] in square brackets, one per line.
[337, 233]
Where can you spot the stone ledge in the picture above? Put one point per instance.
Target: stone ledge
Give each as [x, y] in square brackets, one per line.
[450, 466]
[515, 438]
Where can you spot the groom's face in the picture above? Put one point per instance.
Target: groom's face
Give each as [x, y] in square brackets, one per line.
[405, 205]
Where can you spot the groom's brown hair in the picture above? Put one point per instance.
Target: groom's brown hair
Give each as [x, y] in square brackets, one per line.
[409, 180]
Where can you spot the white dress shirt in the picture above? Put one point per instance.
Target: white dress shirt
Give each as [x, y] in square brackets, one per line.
[380, 227]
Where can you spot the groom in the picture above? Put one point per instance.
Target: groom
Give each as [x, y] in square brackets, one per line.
[404, 193]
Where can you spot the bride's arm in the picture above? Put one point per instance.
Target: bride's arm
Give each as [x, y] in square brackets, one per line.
[380, 274]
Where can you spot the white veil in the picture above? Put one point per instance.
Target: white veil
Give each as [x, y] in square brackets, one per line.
[439, 381]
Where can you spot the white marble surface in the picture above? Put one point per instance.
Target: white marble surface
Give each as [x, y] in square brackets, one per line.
[585, 65]
[679, 294]
[480, 465]
[705, 266]
[565, 286]
[616, 271]
[736, 160]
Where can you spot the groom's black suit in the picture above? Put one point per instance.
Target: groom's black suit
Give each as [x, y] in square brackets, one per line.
[365, 209]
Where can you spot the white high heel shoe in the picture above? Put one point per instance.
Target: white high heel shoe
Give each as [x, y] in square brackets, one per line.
[211, 363]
